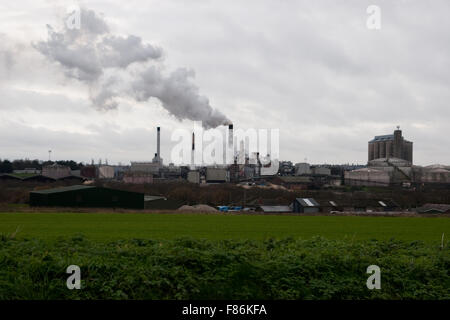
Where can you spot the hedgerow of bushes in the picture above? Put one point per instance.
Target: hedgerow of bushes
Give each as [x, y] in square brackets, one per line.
[203, 269]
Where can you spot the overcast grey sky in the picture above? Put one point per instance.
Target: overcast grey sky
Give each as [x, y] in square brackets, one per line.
[309, 68]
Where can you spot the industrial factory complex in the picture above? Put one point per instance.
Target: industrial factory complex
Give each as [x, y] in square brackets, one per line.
[390, 164]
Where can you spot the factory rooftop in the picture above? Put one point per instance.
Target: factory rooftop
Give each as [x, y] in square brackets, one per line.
[64, 189]
[385, 137]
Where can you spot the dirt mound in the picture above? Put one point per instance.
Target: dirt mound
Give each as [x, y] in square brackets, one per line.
[198, 208]
[204, 208]
[186, 208]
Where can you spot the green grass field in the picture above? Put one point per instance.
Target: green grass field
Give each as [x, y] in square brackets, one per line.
[114, 226]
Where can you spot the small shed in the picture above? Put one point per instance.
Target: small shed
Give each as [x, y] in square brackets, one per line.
[87, 196]
[388, 205]
[331, 205]
[305, 205]
[434, 208]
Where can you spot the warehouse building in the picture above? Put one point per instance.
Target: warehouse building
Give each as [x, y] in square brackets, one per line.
[87, 196]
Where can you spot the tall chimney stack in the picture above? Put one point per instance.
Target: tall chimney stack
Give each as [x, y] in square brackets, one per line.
[230, 136]
[158, 145]
[193, 151]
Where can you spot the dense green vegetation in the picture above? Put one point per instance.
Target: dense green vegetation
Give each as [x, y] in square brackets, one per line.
[116, 226]
[215, 256]
[7, 166]
[230, 269]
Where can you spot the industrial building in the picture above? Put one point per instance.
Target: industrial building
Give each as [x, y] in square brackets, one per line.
[193, 177]
[216, 175]
[56, 171]
[137, 177]
[106, 172]
[294, 182]
[382, 172]
[321, 171]
[390, 163]
[90, 172]
[87, 196]
[302, 169]
[391, 146]
[153, 167]
[305, 205]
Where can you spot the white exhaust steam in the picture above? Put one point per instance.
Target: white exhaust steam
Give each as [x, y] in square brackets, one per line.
[114, 66]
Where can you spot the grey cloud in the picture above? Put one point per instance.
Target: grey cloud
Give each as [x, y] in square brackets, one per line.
[312, 69]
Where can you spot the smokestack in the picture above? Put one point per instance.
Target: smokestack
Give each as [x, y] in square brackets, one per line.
[193, 150]
[230, 136]
[158, 145]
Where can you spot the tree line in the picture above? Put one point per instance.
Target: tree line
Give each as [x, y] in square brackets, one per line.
[7, 166]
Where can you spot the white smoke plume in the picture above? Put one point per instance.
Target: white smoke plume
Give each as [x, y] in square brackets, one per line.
[114, 66]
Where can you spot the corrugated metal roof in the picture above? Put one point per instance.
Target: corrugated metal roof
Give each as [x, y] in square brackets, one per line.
[385, 137]
[434, 207]
[10, 176]
[151, 198]
[308, 202]
[276, 208]
[64, 189]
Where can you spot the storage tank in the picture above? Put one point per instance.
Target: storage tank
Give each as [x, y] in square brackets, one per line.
[302, 168]
[106, 172]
